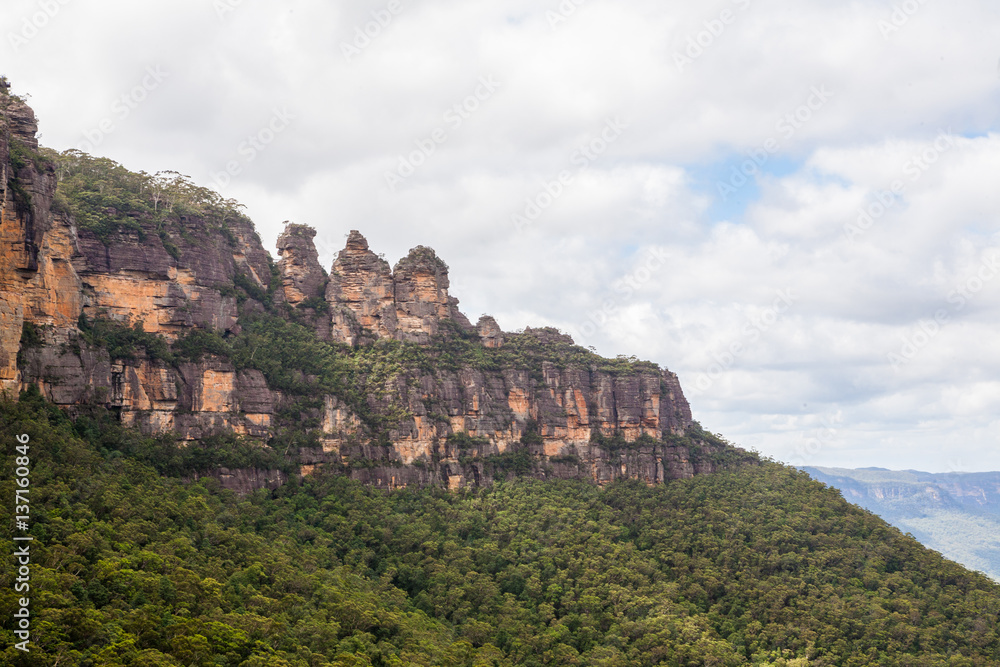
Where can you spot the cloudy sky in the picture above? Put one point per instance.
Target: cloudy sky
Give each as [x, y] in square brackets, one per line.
[792, 205]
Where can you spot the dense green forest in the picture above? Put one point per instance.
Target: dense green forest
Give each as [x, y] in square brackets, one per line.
[133, 565]
[957, 514]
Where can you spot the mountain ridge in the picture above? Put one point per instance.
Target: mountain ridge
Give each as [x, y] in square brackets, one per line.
[150, 296]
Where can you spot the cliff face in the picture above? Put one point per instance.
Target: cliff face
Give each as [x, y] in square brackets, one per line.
[456, 425]
[133, 278]
[30, 272]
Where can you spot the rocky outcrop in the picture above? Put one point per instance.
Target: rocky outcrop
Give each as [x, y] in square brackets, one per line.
[565, 418]
[361, 294]
[302, 277]
[489, 332]
[368, 300]
[192, 400]
[675, 411]
[454, 425]
[422, 300]
[133, 278]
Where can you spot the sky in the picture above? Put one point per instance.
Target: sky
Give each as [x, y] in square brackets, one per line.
[791, 205]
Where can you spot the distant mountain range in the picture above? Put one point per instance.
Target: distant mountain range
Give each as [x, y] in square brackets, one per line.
[957, 514]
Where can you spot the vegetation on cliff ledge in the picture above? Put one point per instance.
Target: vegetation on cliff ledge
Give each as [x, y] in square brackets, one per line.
[276, 341]
[756, 566]
[106, 198]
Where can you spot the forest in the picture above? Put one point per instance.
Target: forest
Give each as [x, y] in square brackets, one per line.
[134, 563]
[957, 514]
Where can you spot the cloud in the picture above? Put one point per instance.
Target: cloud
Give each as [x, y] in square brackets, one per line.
[639, 252]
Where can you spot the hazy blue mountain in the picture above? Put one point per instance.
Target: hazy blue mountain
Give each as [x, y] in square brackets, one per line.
[957, 514]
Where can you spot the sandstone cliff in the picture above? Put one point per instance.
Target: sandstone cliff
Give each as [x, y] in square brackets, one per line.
[176, 318]
[30, 272]
[369, 300]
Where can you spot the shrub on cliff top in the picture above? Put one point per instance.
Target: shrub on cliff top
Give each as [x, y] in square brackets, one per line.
[106, 198]
[454, 348]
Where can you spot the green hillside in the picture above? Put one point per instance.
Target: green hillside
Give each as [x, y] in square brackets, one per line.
[756, 566]
[957, 514]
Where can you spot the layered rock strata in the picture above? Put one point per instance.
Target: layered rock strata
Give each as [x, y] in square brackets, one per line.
[369, 300]
[361, 294]
[302, 277]
[457, 427]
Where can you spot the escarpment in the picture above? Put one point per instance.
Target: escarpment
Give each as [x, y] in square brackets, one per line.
[156, 300]
[25, 217]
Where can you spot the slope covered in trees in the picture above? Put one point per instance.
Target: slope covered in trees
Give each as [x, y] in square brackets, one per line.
[957, 514]
[755, 566]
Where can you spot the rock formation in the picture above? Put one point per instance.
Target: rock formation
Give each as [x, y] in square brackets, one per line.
[302, 277]
[33, 265]
[489, 332]
[361, 293]
[422, 301]
[451, 425]
[408, 303]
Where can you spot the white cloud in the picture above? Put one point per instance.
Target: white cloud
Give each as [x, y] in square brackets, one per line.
[855, 302]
